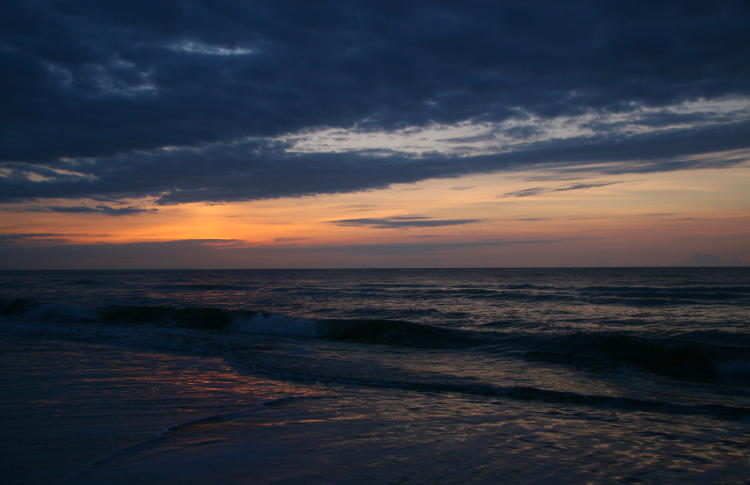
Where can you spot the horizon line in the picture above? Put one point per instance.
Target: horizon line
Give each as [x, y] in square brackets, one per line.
[747, 265]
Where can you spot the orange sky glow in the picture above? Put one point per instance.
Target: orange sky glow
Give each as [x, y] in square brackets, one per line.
[671, 218]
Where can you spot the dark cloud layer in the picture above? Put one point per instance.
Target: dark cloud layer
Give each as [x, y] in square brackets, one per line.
[262, 170]
[114, 82]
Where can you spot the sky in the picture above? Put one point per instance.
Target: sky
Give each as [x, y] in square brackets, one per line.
[298, 134]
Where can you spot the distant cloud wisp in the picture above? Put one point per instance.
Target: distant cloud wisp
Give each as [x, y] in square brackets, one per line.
[402, 222]
[99, 209]
[538, 190]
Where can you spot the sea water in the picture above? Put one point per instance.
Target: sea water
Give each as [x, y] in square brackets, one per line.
[628, 375]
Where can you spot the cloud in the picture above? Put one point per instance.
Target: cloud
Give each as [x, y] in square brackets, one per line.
[584, 186]
[99, 209]
[25, 236]
[20, 239]
[221, 253]
[253, 169]
[402, 222]
[193, 101]
[289, 239]
[530, 192]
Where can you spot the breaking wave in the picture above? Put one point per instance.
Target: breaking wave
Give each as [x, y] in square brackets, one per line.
[388, 332]
[683, 358]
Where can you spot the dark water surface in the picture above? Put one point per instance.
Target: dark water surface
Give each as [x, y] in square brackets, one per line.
[501, 375]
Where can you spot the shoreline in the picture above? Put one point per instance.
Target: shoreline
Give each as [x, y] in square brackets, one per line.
[68, 404]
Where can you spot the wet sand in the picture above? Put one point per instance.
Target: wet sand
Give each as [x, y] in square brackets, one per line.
[66, 405]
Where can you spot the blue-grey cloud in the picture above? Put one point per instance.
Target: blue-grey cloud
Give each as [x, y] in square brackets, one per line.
[96, 94]
[402, 222]
[98, 209]
[282, 240]
[584, 186]
[532, 191]
[9, 241]
[27, 236]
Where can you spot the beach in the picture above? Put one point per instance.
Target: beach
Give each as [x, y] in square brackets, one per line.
[69, 404]
[170, 394]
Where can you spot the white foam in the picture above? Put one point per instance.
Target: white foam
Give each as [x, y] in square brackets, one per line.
[270, 324]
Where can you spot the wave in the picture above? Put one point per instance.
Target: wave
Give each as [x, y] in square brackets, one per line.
[504, 293]
[703, 358]
[85, 282]
[528, 286]
[603, 295]
[272, 324]
[390, 285]
[15, 306]
[358, 330]
[202, 287]
[328, 375]
[739, 367]
[371, 331]
[186, 327]
[400, 333]
[656, 294]
[387, 332]
[673, 358]
[197, 318]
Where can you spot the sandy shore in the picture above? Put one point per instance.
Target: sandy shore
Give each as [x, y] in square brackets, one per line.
[66, 405]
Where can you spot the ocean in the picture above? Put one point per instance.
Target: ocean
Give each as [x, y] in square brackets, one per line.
[485, 376]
